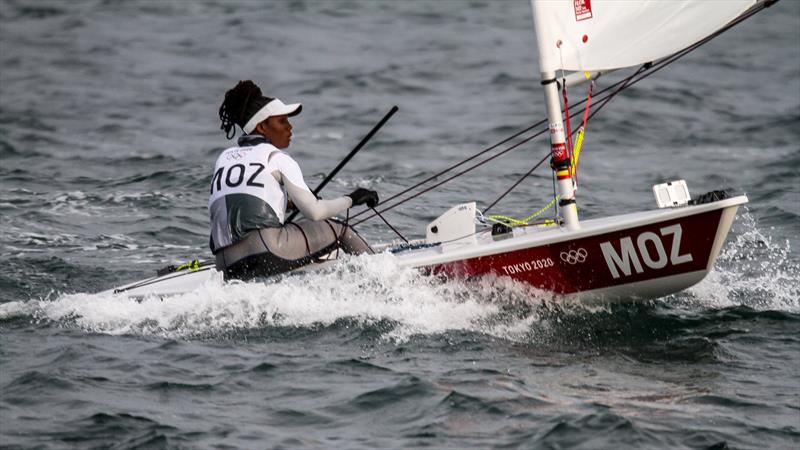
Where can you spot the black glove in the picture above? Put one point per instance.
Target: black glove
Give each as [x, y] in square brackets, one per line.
[361, 196]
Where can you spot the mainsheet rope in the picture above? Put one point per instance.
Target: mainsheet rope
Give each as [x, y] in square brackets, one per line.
[482, 152]
[624, 84]
[390, 226]
[448, 169]
[474, 166]
[574, 154]
[649, 68]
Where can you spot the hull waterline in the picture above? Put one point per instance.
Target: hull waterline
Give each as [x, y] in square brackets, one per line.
[629, 257]
[636, 256]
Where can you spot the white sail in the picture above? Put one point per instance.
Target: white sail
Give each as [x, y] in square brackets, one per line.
[591, 35]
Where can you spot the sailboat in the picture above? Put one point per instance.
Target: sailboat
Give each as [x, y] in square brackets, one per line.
[633, 256]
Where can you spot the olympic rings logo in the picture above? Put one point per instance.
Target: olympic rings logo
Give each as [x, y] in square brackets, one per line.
[574, 256]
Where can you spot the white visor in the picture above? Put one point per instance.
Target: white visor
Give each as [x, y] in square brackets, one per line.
[273, 108]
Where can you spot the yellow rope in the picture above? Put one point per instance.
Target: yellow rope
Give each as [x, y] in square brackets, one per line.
[576, 153]
[191, 266]
[512, 221]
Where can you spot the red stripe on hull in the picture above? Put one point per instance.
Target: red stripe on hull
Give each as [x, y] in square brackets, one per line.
[636, 254]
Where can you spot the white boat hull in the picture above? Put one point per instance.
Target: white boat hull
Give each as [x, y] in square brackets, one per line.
[641, 255]
[634, 256]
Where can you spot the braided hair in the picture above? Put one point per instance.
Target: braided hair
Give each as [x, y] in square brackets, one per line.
[240, 104]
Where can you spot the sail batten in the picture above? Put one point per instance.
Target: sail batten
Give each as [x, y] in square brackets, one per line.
[603, 35]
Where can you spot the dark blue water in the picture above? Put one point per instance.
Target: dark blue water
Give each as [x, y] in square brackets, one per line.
[108, 130]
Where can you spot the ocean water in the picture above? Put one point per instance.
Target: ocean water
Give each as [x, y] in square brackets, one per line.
[108, 132]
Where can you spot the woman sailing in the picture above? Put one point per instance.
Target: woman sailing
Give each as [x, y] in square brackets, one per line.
[252, 185]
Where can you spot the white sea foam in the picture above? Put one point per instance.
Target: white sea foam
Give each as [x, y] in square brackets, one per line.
[364, 290]
[752, 270]
[332, 136]
[374, 291]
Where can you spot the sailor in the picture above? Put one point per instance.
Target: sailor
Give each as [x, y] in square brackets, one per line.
[253, 185]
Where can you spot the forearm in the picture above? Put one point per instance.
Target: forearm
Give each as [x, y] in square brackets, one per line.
[313, 208]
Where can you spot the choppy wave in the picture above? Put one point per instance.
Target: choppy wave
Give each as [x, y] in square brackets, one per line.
[107, 132]
[400, 303]
[365, 291]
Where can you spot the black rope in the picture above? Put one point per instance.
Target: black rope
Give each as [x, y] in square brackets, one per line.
[644, 71]
[448, 169]
[341, 235]
[390, 225]
[516, 184]
[482, 152]
[474, 166]
[513, 147]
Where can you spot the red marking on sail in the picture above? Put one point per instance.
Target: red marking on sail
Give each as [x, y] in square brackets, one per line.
[583, 10]
[585, 38]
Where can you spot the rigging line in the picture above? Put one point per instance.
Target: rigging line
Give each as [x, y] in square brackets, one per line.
[341, 235]
[474, 166]
[541, 122]
[437, 175]
[482, 162]
[660, 64]
[464, 171]
[648, 69]
[349, 156]
[643, 72]
[389, 225]
[624, 84]
[510, 221]
[678, 55]
[516, 184]
[482, 152]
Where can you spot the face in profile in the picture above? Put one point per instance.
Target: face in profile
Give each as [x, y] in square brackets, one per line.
[277, 129]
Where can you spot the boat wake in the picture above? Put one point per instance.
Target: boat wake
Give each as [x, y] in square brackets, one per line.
[401, 302]
[366, 291]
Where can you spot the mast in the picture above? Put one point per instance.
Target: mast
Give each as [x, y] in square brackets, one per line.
[604, 35]
[558, 146]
